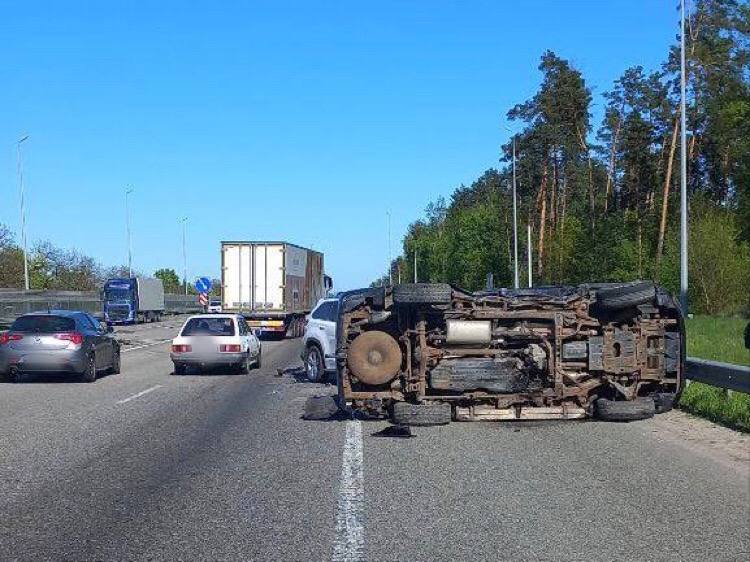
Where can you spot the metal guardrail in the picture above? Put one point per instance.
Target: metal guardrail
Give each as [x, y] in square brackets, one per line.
[721, 375]
[13, 302]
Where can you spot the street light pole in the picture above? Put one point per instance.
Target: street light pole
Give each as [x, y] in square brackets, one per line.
[128, 191]
[184, 252]
[390, 262]
[23, 212]
[683, 173]
[515, 220]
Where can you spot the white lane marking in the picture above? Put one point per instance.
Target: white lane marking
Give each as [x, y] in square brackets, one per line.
[350, 536]
[129, 349]
[141, 393]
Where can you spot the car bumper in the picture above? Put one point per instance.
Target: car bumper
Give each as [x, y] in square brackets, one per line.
[207, 360]
[58, 361]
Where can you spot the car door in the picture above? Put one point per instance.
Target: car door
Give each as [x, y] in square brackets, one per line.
[323, 326]
[92, 332]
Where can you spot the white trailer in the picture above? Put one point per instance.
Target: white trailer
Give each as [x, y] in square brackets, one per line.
[273, 284]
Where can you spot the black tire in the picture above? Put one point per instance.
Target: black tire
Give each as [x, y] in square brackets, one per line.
[244, 367]
[89, 375]
[404, 413]
[314, 364]
[625, 410]
[179, 370]
[626, 296]
[422, 293]
[116, 366]
[259, 359]
[320, 408]
[664, 401]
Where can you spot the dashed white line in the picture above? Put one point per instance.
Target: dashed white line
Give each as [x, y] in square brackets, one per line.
[129, 349]
[141, 393]
[350, 537]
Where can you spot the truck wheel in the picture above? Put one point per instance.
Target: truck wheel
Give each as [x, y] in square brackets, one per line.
[626, 296]
[405, 413]
[422, 293]
[320, 408]
[314, 366]
[89, 375]
[625, 410]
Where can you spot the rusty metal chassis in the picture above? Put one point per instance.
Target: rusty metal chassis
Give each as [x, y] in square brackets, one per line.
[549, 324]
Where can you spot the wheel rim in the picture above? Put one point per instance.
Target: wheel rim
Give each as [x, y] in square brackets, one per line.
[312, 364]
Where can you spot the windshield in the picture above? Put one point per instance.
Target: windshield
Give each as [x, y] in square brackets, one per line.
[43, 324]
[209, 327]
[117, 294]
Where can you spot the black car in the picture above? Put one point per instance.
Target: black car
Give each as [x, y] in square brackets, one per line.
[58, 341]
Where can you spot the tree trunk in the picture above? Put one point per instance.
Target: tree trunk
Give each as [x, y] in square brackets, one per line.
[542, 220]
[611, 175]
[665, 192]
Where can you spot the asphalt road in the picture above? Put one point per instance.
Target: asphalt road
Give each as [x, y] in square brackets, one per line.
[148, 466]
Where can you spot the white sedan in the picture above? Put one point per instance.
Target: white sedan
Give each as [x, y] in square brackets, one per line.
[216, 340]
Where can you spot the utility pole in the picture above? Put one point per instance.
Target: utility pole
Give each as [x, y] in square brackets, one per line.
[128, 191]
[683, 173]
[390, 261]
[528, 253]
[23, 212]
[184, 253]
[515, 220]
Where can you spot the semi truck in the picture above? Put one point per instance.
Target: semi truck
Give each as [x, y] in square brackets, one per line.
[274, 285]
[133, 300]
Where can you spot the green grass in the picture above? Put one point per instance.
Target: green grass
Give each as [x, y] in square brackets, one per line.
[719, 339]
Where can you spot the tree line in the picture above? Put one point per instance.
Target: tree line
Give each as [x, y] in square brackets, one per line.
[603, 202]
[54, 268]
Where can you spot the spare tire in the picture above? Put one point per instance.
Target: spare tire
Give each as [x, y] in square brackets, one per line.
[374, 357]
[625, 410]
[626, 296]
[422, 293]
[404, 413]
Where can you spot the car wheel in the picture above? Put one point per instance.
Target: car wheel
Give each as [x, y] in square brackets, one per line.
[89, 375]
[404, 413]
[422, 293]
[244, 367]
[179, 370]
[664, 401]
[258, 360]
[115, 370]
[314, 367]
[625, 410]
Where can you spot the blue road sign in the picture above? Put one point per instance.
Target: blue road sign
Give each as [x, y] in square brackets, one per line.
[203, 285]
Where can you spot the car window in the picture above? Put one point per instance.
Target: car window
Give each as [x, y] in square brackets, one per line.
[96, 326]
[43, 324]
[326, 311]
[209, 327]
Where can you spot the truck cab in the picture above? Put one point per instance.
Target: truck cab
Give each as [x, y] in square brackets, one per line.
[132, 300]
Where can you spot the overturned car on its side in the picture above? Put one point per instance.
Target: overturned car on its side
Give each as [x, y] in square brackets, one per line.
[431, 353]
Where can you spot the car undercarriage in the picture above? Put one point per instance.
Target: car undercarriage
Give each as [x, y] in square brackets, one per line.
[431, 353]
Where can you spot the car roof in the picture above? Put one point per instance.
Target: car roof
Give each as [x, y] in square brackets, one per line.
[215, 315]
[66, 313]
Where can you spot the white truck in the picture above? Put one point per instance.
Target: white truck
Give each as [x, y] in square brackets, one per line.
[274, 285]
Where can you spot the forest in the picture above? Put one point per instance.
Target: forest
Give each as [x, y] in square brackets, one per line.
[602, 199]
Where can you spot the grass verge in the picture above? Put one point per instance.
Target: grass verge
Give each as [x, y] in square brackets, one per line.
[719, 339]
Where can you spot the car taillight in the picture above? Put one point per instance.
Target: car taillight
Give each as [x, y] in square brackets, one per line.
[230, 348]
[74, 337]
[182, 348]
[6, 337]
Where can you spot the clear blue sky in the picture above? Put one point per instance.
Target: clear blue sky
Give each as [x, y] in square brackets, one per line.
[303, 121]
